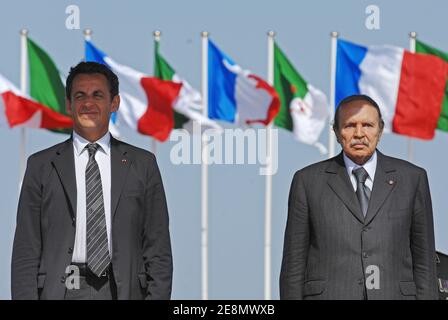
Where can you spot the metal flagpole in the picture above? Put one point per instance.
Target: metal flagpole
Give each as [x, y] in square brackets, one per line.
[268, 190]
[412, 37]
[157, 34]
[331, 136]
[88, 34]
[24, 89]
[204, 170]
[88, 37]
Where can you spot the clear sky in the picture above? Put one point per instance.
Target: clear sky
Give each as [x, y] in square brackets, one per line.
[123, 29]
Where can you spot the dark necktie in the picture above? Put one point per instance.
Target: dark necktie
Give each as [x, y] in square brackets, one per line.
[362, 191]
[97, 246]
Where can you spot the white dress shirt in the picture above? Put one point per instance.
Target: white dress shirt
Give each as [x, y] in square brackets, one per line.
[102, 157]
[370, 167]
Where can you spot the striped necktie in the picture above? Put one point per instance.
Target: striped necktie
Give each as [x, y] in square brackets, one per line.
[97, 245]
[362, 191]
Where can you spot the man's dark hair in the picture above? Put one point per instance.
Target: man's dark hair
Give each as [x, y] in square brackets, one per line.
[92, 68]
[356, 97]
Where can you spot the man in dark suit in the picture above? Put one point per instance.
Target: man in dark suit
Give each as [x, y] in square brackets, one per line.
[360, 225]
[92, 220]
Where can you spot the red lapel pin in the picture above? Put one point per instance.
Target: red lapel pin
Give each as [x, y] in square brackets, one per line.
[123, 161]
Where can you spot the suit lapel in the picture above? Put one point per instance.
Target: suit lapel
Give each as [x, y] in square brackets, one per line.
[120, 164]
[383, 184]
[339, 182]
[64, 163]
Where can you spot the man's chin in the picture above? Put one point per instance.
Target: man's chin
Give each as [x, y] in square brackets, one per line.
[87, 125]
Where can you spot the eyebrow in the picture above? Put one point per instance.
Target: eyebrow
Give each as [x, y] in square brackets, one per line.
[84, 93]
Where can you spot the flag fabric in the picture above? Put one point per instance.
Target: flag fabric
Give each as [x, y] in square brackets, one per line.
[17, 109]
[304, 109]
[408, 87]
[147, 103]
[237, 95]
[420, 47]
[45, 81]
[188, 105]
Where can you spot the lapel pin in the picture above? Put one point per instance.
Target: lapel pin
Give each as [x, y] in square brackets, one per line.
[123, 161]
[391, 182]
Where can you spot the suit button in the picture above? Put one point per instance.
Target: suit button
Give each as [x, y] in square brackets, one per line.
[365, 254]
[62, 279]
[70, 250]
[360, 281]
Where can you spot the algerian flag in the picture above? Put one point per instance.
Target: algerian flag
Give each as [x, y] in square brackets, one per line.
[188, 105]
[420, 47]
[304, 109]
[46, 85]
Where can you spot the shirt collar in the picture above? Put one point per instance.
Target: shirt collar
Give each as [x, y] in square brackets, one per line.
[370, 165]
[80, 143]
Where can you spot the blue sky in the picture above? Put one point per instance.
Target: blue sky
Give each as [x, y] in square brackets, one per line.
[123, 29]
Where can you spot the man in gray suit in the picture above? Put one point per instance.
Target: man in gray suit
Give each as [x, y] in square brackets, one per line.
[360, 225]
[92, 220]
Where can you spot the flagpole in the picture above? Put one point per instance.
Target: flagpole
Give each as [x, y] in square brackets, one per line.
[412, 37]
[331, 136]
[24, 89]
[157, 34]
[268, 189]
[204, 170]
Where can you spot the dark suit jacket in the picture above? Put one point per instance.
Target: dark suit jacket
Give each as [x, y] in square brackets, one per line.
[328, 243]
[45, 232]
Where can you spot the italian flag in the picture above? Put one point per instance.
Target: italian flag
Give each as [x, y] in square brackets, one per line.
[46, 86]
[304, 109]
[146, 102]
[188, 105]
[420, 47]
[17, 109]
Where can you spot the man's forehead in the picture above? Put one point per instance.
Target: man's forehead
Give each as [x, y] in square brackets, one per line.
[89, 79]
[359, 109]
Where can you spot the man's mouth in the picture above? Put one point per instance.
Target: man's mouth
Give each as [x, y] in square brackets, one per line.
[358, 145]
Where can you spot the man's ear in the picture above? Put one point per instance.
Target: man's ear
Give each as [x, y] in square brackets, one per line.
[337, 135]
[115, 103]
[68, 106]
[381, 134]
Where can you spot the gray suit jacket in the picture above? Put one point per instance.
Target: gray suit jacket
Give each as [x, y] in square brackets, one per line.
[329, 245]
[45, 232]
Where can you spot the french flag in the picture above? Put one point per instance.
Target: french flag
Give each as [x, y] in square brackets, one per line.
[408, 87]
[237, 95]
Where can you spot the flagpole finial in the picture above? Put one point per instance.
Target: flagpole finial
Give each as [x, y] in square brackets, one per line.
[204, 34]
[87, 32]
[271, 33]
[334, 34]
[24, 32]
[413, 34]
[157, 34]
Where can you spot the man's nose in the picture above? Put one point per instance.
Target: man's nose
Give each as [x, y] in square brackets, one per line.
[88, 101]
[359, 131]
